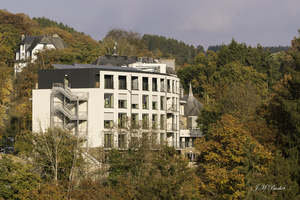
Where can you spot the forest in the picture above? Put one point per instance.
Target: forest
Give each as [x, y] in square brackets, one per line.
[251, 120]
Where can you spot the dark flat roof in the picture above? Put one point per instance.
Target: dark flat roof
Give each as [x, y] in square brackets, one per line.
[101, 67]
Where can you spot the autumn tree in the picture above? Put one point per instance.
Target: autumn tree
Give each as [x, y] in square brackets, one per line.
[284, 113]
[5, 91]
[59, 154]
[228, 155]
[128, 43]
[16, 178]
[152, 171]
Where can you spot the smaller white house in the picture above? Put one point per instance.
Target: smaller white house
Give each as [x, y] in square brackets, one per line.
[30, 45]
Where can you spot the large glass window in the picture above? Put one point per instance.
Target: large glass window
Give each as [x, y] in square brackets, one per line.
[108, 100]
[162, 122]
[162, 85]
[121, 140]
[162, 102]
[122, 120]
[145, 121]
[162, 138]
[108, 123]
[134, 83]
[122, 83]
[173, 86]
[122, 103]
[108, 81]
[168, 86]
[145, 102]
[108, 140]
[134, 142]
[145, 84]
[134, 120]
[154, 84]
[154, 121]
[97, 81]
[154, 105]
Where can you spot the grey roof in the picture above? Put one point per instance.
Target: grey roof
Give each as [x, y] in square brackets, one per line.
[192, 107]
[114, 60]
[31, 42]
[101, 67]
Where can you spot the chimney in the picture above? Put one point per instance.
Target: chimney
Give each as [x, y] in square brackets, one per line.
[22, 37]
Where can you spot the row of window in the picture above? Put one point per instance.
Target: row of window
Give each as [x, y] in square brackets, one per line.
[134, 141]
[123, 122]
[122, 103]
[122, 84]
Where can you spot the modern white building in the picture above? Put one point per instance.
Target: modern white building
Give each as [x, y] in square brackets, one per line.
[113, 105]
[30, 45]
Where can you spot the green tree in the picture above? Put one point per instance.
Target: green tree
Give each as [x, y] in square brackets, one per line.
[16, 178]
[152, 174]
[228, 155]
[5, 91]
[58, 154]
[284, 112]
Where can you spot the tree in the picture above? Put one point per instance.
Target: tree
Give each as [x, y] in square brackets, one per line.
[160, 174]
[5, 91]
[283, 111]
[59, 154]
[146, 169]
[16, 178]
[228, 155]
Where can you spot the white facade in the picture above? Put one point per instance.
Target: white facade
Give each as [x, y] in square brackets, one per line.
[151, 98]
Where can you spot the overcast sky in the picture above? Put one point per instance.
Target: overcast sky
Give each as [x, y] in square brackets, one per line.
[195, 22]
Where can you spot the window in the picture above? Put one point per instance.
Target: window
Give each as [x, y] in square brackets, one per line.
[154, 121]
[154, 105]
[162, 138]
[97, 80]
[162, 102]
[145, 84]
[134, 142]
[173, 86]
[121, 140]
[134, 120]
[108, 140]
[145, 102]
[162, 122]
[168, 86]
[162, 85]
[122, 120]
[108, 123]
[108, 101]
[154, 138]
[108, 82]
[134, 83]
[145, 121]
[122, 104]
[122, 83]
[154, 84]
[135, 106]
